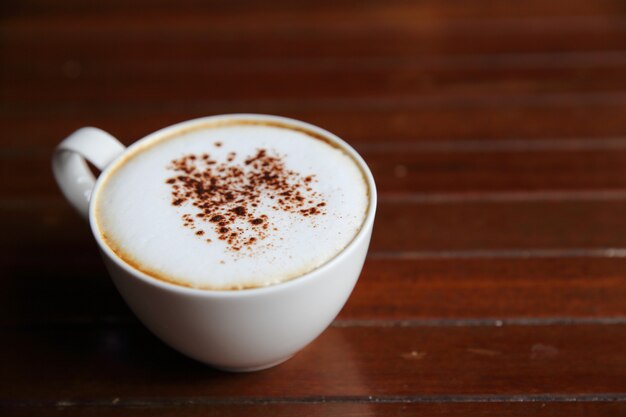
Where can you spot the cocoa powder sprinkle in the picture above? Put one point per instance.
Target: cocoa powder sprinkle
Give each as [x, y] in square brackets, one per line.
[224, 196]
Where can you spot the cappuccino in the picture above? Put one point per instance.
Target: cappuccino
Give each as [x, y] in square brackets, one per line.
[232, 204]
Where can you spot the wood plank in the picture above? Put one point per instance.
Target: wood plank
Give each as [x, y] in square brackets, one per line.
[357, 408]
[71, 67]
[459, 9]
[505, 288]
[120, 81]
[28, 128]
[602, 36]
[55, 363]
[488, 226]
[399, 170]
[73, 287]
[312, 18]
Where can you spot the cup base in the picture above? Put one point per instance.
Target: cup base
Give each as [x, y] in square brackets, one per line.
[252, 369]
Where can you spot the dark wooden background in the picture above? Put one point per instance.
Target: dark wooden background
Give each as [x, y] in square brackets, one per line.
[496, 130]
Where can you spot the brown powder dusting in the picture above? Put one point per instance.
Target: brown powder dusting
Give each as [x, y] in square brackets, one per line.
[239, 211]
[225, 196]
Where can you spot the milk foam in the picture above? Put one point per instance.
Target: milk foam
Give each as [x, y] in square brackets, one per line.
[139, 222]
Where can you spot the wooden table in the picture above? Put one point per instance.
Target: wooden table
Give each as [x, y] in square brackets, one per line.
[496, 130]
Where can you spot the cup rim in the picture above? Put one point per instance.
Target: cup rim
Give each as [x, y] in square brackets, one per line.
[366, 226]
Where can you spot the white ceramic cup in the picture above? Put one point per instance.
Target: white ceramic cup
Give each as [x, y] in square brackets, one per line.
[238, 330]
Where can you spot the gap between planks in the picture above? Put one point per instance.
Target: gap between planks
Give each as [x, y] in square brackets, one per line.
[483, 322]
[516, 253]
[402, 399]
[126, 321]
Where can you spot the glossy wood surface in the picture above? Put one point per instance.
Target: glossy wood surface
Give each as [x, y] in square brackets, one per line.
[496, 130]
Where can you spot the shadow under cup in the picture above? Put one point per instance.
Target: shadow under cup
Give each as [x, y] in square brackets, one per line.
[249, 329]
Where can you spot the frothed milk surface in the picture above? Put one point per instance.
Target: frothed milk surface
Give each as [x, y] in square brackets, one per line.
[233, 205]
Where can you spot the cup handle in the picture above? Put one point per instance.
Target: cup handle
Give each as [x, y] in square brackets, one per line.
[71, 170]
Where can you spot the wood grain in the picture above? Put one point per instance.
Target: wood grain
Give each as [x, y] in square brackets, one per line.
[495, 284]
